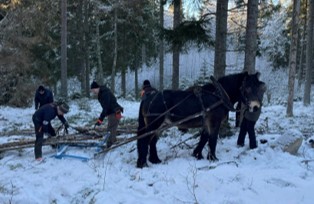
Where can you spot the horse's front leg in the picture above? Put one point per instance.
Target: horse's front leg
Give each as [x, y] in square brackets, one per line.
[197, 153]
[142, 150]
[153, 156]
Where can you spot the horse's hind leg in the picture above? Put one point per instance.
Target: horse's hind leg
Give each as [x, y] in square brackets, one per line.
[153, 156]
[212, 143]
[197, 153]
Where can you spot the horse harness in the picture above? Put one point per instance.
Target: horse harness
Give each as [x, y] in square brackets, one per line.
[198, 91]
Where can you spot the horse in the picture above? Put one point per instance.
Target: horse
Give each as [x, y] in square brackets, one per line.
[198, 107]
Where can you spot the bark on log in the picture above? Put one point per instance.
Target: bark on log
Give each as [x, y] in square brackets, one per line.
[70, 139]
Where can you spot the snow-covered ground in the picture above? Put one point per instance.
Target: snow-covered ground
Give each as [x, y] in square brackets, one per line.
[241, 176]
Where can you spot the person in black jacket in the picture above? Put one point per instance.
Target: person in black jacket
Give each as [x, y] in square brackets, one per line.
[41, 119]
[110, 109]
[147, 89]
[42, 96]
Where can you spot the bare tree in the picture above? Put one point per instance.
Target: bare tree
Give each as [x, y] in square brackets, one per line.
[86, 8]
[302, 47]
[161, 46]
[251, 36]
[176, 51]
[293, 56]
[100, 72]
[64, 83]
[309, 55]
[115, 51]
[221, 38]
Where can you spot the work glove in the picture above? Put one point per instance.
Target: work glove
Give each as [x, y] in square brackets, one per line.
[98, 123]
[118, 115]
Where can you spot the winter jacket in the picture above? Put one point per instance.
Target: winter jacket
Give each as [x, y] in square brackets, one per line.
[42, 99]
[45, 114]
[147, 90]
[108, 102]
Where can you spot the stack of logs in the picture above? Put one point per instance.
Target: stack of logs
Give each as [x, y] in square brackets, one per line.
[83, 136]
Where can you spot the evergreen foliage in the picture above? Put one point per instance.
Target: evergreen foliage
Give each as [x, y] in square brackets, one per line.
[189, 32]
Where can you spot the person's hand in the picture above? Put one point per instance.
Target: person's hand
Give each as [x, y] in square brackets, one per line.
[118, 115]
[98, 123]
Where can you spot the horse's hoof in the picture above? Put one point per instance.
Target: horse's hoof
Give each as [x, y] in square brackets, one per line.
[198, 156]
[155, 160]
[212, 158]
[141, 164]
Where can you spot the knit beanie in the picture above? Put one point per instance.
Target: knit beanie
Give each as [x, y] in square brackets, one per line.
[41, 88]
[94, 85]
[146, 84]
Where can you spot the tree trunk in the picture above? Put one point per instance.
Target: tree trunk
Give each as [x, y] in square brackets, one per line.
[302, 55]
[115, 52]
[81, 46]
[293, 56]
[123, 82]
[251, 37]
[161, 46]
[176, 50]
[100, 73]
[309, 56]
[64, 81]
[221, 38]
[86, 45]
[136, 90]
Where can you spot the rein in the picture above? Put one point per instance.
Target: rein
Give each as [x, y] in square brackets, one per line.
[131, 139]
[223, 95]
[167, 110]
[164, 113]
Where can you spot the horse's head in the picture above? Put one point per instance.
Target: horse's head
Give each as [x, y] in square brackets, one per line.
[252, 91]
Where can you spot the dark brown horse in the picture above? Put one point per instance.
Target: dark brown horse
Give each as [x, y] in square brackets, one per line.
[202, 107]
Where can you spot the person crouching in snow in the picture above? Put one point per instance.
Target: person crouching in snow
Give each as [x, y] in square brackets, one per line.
[110, 109]
[42, 118]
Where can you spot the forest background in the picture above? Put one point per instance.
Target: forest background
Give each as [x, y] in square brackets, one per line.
[66, 44]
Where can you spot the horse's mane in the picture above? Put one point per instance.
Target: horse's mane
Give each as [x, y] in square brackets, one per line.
[229, 79]
[207, 87]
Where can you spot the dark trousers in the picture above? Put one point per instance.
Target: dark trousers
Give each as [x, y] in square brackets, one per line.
[112, 127]
[40, 137]
[247, 126]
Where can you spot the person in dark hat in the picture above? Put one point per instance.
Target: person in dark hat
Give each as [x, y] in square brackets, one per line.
[110, 109]
[42, 96]
[147, 89]
[42, 118]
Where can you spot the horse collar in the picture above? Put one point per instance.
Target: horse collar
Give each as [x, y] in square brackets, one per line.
[222, 94]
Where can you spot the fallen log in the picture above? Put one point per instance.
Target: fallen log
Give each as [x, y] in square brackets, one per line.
[17, 132]
[120, 130]
[69, 139]
[85, 130]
